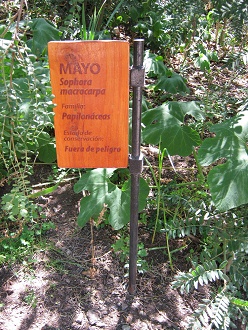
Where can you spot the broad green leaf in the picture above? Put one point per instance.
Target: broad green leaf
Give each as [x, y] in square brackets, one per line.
[97, 183]
[230, 140]
[92, 205]
[134, 13]
[43, 32]
[119, 204]
[105, 193]
[228, 182]
[143, 192]
[172, 83]
[93, 179]
[47, 153]
[182, 140]
[169, 81]
[202, 62]
[43, 138]
[23, 213]
[154, 65]
[166, 124]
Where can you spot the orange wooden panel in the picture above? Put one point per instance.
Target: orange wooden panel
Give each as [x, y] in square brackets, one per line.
[90, 81]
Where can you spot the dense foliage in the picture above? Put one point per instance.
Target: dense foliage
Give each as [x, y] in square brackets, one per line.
[210, 125]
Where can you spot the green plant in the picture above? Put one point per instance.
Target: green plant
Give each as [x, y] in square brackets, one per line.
[223, 236]
[214, 313]
[121, 249]
[169, 120]
[85, 22]
[214, 212]
[21, 236]
[165, 25]
[203, 61]
[30, 299]
[42, 32]
[228, 180]
[105, 194]
[222, 260]
[159, 202]
[187, 212]
[93, 24]
[25, 101]
[165, 79]
[199, 276]
[223, 308]
[26, 127]
[232, 16]
[148, 20]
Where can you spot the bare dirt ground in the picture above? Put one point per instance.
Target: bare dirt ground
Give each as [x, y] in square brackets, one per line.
[60, 287]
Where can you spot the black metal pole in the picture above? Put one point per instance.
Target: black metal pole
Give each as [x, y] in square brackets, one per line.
[135, 160]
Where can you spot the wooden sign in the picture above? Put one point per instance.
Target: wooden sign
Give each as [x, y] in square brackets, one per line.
[90, 81]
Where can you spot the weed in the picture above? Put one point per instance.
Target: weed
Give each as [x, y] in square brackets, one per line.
[31, 299]
[121, 249]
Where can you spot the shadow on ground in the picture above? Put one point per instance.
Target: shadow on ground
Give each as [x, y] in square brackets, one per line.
[63, 288]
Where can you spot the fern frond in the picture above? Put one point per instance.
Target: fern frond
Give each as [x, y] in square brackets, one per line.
[220, 306]
[202, 274]
[239, 312]
[239, 271]
[212, 314]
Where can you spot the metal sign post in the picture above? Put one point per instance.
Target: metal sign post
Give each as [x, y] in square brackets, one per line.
[137, 75]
